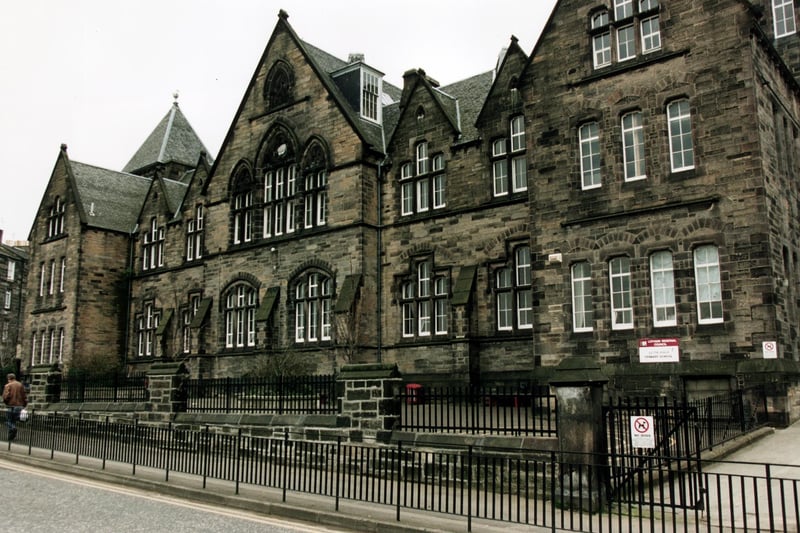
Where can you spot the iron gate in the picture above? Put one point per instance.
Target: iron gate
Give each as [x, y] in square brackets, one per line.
[669, 474]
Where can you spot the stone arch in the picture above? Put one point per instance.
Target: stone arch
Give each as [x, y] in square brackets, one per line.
[278, 148]
[242, 177]
[316, 155]
[279, 85]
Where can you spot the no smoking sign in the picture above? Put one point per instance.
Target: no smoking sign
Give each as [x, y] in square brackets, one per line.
[642, 435]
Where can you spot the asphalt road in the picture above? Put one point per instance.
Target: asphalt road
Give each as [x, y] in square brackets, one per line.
[41, 501]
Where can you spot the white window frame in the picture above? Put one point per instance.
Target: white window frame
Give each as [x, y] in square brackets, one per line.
[582, 304]
[621, 292]
[406, 190]
[422, 158]
[7, 302]
[517, 133]
[662, 289]
[500, 168]
[623, 9]
[313, 301]
[409, 318]
[524, 288]
[505, 300]
[633, 156]
[63, 273]
[626, 42]
[783, 18]
[12, 266]
[589, 143]
[650, 30]
[681, 144]
[708, 284]
[370, 96]
[440, 304]
[601, 42]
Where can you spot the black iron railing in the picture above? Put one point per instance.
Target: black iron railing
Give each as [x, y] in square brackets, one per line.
[521, 409]
[297, 394]
[78, 389]
[536, 488]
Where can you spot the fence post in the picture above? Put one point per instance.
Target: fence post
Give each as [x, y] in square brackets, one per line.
[578, 384]
[371, 398]
[166, 386]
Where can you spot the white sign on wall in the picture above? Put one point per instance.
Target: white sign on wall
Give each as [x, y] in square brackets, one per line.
[770, 349]
[659, 350]
[642, 432]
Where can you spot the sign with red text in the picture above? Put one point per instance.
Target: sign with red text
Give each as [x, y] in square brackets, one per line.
[659, 350]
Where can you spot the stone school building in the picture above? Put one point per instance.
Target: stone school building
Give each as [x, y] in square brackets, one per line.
[626, 191]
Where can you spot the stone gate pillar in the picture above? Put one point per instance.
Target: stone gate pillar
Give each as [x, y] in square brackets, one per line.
[166, 386]
[45, 385]
[369, 396]
[579, 384]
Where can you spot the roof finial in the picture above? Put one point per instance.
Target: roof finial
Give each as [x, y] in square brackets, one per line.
[175, 96]
[283, 14]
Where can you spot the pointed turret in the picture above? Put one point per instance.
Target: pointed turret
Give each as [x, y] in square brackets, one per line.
[172, 148]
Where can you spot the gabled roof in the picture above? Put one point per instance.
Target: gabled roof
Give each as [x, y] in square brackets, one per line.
[14, 252]
[172, 140]
[174, 191]
[326, 64]
[108, 199]
[471, 94]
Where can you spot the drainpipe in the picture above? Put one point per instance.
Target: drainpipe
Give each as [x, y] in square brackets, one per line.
[379, 307]
[129, 302]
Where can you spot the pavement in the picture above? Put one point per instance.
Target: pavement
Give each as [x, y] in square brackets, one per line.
[777, 447]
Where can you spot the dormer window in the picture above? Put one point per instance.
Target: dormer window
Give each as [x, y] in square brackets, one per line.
[370, 96]
[362, 88]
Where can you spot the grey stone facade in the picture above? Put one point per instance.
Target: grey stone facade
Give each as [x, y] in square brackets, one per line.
[438, 228]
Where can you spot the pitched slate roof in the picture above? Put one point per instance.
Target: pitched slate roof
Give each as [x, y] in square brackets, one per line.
[15, 252]
[471, 94]
[173, 139]
[108, 199]
[174, 191]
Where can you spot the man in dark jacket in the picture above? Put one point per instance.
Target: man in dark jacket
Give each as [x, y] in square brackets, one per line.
[15, 398]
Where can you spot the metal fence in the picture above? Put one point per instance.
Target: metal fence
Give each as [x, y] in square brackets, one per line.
[78, 389]
[543, 489]
[521, 409]
[297, 395]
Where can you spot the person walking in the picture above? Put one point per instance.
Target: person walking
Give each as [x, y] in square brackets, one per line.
[15, 398]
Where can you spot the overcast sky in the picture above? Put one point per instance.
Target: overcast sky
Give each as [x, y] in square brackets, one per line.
[98, 75]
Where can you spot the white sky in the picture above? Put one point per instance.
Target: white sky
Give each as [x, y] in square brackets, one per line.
[98, 75]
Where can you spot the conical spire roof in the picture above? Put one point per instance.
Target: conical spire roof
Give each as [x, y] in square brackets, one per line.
[172, 140]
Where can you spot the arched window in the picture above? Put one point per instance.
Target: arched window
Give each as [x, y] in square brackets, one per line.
[279, 87]
[55, 218]
[281, 194]
[241, 301]
[313, 294]
[315, 187]
[242, 208]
